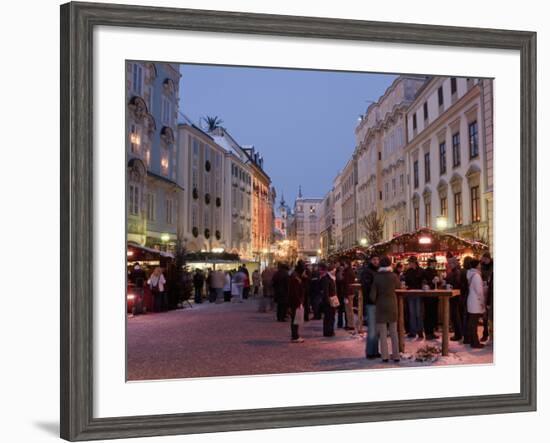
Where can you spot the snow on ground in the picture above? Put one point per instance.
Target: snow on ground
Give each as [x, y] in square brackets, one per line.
[230, 339]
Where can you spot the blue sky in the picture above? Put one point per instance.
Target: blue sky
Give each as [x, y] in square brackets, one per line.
[301, 121]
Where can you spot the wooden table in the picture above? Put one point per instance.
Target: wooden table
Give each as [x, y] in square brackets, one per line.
[444, 296]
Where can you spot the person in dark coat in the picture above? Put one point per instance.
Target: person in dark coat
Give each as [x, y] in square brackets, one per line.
[296, 296]
[431, 304]
[383, 294]
[487, 276]
[413, 280]
[306, 280]
[456, 305]
[138, 277]
[341, 293]
[280, 284]
[315, 293]
[198, 283]
[327, 286]
[366, 277]
[349, 295]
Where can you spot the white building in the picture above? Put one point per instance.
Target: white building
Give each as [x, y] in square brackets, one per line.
[447, 157]
[201, 173]
[306, 227]
[381, 169]
[237, 218]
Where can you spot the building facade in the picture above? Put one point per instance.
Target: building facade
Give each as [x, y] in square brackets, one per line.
[449, 131]
[238, 194]
[381, 139]
[305, 228]
[348, 203]
[152, 98]
[201, 166]
[327, 220]
[262, 205]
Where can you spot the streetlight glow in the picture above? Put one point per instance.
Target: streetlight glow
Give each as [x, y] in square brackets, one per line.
[363, 241]
[441, 222]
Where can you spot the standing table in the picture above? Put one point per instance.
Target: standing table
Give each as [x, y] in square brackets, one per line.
[444, 296]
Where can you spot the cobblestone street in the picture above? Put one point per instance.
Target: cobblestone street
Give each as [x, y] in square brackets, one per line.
[234, 339]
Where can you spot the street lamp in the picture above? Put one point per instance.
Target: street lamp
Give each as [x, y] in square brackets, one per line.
[164, 238]
[363, 241]
[441, 222]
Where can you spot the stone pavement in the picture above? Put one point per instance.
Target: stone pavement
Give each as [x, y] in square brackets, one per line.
[234, 339]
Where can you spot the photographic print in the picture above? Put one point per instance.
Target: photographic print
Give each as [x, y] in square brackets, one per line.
[286, 221]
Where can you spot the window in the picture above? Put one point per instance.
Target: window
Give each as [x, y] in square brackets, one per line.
[443, 205]
[401, 183]
[415, 173]
[393, 186]
[440, 96]
[442, 158]
[456, 149]
[134, 139]
[416, 218]
[427, 167]
[169, 211]
[380, 195]
[133, 200]
[206, 220]
[379, 156]
[425, 111]
[453, 85]
[164, 161]
[473, 139]
[166, 115]
[428, 214]
[386, 191]
[137, 78]
[474, 196]
[414, 122]
[195, 149]
[150, 207]
[458, 208]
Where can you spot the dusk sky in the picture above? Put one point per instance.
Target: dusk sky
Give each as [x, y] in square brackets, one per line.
[302, 122]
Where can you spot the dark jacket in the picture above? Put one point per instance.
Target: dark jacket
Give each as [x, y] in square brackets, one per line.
[429, 275]
[349, 279]
[327, 288]
[382, 293]
[280, 282]
[453, 278]
[413, 278]
[366, 277]
[198, 280]
[296, 291]
[138, 277]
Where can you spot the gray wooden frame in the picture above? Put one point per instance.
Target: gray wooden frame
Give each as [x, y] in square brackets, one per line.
[77, 24]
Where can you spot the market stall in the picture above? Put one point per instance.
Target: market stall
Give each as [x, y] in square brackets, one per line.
[426, 243]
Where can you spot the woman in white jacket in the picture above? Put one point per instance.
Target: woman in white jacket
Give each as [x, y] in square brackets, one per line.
[475, 303]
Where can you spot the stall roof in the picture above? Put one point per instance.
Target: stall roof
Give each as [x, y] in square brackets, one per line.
[147, 253]
[411, 243]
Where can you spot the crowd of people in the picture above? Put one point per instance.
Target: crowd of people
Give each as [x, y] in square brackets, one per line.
[328, 292]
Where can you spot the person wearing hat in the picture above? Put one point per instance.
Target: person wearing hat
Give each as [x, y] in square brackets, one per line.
[138, 278]
[431, 304]
[413, 280]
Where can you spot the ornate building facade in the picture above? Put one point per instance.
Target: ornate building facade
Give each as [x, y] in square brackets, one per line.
[381, 139]
[449, 157]
[152, 99]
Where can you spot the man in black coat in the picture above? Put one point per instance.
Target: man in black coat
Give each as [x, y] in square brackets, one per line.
[366, 276]
[198, 283]
[281, 281]
[487, 276]
[413, 280]
[431, 304]
[138, 277]
[453, 278]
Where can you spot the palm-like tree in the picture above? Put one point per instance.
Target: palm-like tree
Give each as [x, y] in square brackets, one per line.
[212, 123]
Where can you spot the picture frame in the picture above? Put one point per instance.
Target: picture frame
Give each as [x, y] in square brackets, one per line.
[77, 219]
